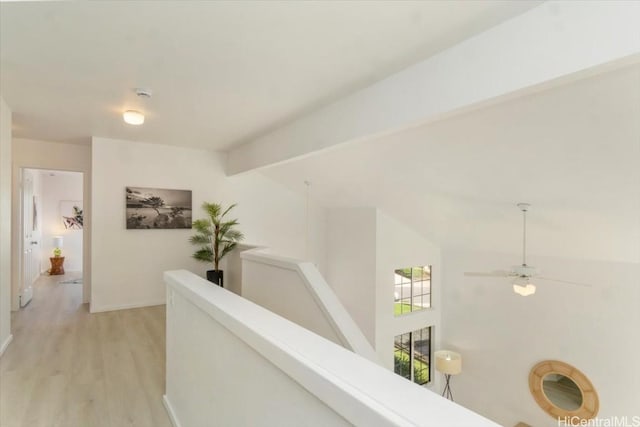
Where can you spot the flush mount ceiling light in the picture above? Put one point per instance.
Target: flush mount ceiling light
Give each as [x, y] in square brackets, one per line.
[133, 117]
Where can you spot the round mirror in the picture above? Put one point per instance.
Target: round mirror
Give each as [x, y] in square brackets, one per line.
[562, 391]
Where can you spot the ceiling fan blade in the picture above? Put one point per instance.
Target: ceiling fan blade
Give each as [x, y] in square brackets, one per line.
[564, 281]
[490, 274]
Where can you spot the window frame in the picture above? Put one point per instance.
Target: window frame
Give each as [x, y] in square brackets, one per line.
[411, 354]
[411, 282]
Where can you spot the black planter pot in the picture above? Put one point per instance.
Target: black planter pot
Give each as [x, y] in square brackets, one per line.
[216, 276]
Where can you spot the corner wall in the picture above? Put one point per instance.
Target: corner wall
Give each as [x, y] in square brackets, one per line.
[501, 335]
[5, 225]
[398, 246]
[365, 247]
[128, 264]
[351, 267]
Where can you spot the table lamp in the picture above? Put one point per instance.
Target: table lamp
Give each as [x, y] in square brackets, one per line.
[57, 246]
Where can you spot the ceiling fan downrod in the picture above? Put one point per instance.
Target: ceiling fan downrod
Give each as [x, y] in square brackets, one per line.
[524, 207]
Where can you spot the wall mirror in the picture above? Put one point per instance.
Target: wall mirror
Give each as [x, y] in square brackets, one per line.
[562, 391]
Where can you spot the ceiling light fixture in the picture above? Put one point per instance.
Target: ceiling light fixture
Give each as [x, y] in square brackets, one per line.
[133, 117]
[524, 290]
[522, 285]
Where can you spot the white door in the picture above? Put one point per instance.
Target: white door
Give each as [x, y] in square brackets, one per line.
[30, 239]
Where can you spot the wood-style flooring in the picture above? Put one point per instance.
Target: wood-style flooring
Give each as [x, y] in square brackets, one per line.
[69, 368]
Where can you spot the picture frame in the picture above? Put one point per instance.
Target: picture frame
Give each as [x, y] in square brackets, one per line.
[157, 208]
[72, 214]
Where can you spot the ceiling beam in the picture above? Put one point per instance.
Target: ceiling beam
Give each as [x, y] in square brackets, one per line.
[552, 41]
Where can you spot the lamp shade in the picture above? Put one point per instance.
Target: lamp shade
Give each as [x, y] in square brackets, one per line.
[448, 362]
[57, 241]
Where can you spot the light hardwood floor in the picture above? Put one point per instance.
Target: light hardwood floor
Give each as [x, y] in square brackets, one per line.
[68, 368]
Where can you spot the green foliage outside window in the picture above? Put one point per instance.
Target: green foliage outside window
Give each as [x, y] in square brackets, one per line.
[402, 366]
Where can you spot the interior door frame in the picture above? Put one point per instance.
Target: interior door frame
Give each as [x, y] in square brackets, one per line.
[16, 230]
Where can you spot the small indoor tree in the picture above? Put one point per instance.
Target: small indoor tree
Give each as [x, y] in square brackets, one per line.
[216, 236]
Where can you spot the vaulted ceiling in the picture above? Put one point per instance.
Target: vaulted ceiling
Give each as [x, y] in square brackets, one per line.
[572, 151]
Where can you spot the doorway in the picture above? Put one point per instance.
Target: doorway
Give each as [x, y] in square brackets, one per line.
[52, 226]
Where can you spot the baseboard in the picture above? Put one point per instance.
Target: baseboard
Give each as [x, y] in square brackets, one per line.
[5, 344]
[170, 412]
[114, 307]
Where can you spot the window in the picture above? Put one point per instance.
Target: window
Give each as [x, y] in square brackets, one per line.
[412, 355]
[412, 291]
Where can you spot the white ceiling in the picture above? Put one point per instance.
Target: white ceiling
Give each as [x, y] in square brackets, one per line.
[221, 72]
[572, 151]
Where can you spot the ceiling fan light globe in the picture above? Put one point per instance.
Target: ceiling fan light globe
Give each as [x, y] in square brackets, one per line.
[524, 290]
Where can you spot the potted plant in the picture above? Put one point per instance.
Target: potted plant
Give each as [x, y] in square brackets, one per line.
[216, 237]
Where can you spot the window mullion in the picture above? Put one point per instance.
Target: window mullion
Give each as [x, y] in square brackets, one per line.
[411, 376]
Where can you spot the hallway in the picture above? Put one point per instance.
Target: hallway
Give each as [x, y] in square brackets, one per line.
[68, 368]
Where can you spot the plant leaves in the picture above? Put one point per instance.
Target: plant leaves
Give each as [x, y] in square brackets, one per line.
[204, 254]
[213, 232]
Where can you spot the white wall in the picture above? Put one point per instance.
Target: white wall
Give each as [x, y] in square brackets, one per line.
[296, 290]
[58, 187]
[128, 264]
[5, 225]
[57, 156]
[351, 264]
[365, 247]
[501, 335]
[280, 289]
[398, 246]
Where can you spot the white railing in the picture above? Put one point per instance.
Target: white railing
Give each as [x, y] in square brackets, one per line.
[232, 362]
[297, 291]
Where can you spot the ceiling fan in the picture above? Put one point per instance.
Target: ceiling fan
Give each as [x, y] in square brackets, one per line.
[522, 274]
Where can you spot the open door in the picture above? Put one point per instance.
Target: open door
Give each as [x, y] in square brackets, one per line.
[30, 238]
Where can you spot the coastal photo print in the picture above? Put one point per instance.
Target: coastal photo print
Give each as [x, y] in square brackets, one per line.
[156, 208]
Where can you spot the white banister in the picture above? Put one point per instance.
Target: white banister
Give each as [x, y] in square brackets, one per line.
[232, 362]
[306, 278]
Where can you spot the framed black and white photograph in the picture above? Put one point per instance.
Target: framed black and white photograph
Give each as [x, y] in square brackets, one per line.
[158, 208]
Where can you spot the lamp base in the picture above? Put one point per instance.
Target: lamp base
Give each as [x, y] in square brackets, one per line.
[447, 388]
